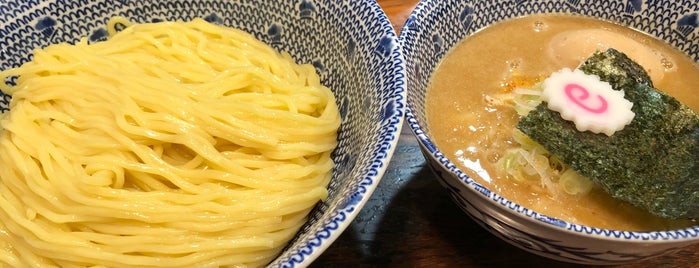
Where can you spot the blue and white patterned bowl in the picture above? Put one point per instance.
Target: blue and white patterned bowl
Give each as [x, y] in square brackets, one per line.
[435, 26]
[351, 43]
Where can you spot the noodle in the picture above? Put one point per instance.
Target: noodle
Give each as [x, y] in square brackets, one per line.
[172, 144]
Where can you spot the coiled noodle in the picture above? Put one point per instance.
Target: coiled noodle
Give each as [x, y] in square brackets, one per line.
[171, 144]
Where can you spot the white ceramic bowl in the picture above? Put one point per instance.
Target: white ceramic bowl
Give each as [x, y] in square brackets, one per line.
[351, 43]
[435, 26]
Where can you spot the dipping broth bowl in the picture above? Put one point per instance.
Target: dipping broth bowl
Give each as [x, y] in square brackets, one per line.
[362, 64]
[435, 26]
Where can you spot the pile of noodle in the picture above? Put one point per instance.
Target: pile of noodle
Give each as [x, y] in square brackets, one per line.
[174, 144]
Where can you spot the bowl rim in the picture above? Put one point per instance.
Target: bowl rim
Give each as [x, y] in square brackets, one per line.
[687, 234]
[325, 234]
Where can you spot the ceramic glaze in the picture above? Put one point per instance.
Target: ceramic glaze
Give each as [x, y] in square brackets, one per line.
[429, 33]
[362, 64]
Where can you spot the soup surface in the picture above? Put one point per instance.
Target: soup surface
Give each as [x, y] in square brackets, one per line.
[474, 133]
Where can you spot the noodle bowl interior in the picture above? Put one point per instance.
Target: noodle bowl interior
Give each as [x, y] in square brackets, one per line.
[474, 134]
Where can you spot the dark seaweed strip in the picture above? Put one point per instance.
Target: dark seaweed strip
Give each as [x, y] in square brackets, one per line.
[651, 163]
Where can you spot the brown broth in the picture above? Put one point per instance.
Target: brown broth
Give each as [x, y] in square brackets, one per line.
[474, 134]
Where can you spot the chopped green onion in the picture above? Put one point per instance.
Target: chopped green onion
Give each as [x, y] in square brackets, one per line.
[574, 184]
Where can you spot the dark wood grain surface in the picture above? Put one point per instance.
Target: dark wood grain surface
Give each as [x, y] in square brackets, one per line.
[410, 221]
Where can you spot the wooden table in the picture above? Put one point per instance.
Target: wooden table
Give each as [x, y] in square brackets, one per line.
[410, 221]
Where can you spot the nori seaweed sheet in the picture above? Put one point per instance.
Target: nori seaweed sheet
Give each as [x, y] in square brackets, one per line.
[651, 163]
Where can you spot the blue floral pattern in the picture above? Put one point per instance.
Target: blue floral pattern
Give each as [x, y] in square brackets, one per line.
[351, 43]
[436, 26]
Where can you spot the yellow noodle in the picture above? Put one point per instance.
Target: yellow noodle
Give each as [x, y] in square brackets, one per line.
[173, 144]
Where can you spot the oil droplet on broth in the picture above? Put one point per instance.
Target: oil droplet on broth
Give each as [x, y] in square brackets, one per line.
[513, 65]
[667, 64]
[540, 26]
[493, 157]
